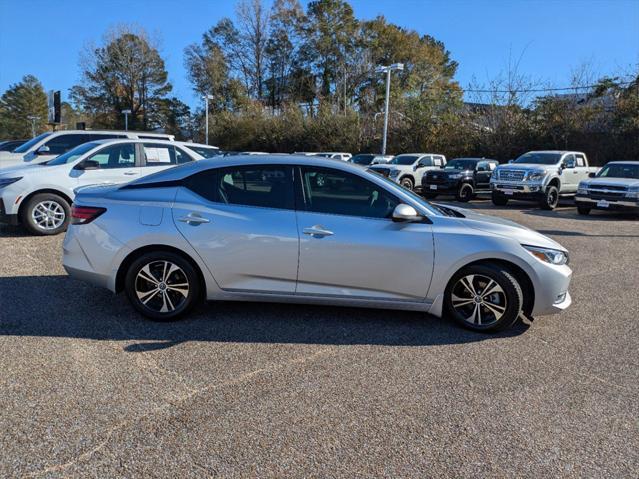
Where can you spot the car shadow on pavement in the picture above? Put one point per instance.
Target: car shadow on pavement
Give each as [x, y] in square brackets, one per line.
[59, 307]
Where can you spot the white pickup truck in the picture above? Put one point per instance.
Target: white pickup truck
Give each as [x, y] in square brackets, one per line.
[540, 176]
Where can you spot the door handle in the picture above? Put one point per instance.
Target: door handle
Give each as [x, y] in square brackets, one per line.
[130, 173]
[317, 230]
[193, 218]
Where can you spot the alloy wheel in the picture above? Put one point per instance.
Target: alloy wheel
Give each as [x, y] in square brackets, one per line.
[48, 215]
[478, 299]
[162, 286]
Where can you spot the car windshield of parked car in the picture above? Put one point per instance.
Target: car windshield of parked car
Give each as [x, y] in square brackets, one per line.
[619, 170]
[72, 155]
[539, 158]
[403, 160]
[461, 165]
[362, 159]
[204, 151]
[26, 146]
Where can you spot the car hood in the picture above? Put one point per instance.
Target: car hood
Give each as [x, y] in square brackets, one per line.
[507, 228]
[611, 181]
[10, 155]
[10, 170]
[386, 166]
[527, 167]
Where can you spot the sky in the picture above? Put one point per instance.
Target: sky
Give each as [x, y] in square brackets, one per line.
[548, 38]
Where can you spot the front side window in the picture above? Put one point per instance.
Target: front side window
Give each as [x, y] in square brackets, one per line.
[63, 143]
[403, 160]
[426, 161]
[263, 186]
[121, 155]
[341, 193]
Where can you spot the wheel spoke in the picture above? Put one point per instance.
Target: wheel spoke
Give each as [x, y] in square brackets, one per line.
[491, 288]
[148, 275]
[496, 309]
[467, 282]
[459, 301]
[146, 296]
[476, 316]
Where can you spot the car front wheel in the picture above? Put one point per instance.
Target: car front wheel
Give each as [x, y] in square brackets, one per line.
[484, 298]
[583, 210]
[498, 199]
[465, 193]
[46, 214]
[162, 285]
[550, 199]
[407, 183]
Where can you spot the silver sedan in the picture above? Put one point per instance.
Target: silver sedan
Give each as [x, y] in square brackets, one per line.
[307, 230]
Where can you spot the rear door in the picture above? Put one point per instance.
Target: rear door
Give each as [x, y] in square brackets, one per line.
[241, 221]
[349, 246]
[115, 163]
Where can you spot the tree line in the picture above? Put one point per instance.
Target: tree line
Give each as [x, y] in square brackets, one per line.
[293, 78]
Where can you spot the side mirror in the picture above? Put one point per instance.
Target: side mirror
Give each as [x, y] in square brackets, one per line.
[592, 175]
[405, 213]
[511, 161]
[43, 150]
[87, 165]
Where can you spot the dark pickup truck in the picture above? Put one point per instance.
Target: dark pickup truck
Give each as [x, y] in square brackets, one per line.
[462, 177]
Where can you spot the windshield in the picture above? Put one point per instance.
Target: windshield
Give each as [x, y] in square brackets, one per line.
[362, 159]
[539, 158]
[26, 146]
[461, 164]
[72, 155]
[403, 160]
[619, 170]
[417, 198]
[204, 151]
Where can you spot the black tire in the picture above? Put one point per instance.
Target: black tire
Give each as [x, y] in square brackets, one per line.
[150, 304]
[428, 195]
[498, 199]
[510, 298]
[407, 183]
[550, 198]
[34, 218]
[465, 193]
[583, 210]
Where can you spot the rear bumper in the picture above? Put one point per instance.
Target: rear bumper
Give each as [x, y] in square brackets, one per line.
[623, 205]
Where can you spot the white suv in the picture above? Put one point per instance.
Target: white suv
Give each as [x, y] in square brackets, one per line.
[48, 145]
[40, 196]
[408, 169]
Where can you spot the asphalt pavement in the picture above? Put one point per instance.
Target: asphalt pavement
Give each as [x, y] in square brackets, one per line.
[90, 389]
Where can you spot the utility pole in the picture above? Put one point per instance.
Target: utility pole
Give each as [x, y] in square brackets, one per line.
[206, 117]
[387, 70]
[126, 119]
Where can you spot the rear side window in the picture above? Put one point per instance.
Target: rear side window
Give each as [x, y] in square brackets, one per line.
[158, 154]
[581, 161]
[438, 161]
[63, 143]
[266, 187]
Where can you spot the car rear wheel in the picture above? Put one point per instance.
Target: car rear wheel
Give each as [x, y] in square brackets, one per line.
[550, 199]
[465, 193]
[484, 298]
[163, 286]
[583, 210]
[407, 183]
[499, 199]
[46, 214]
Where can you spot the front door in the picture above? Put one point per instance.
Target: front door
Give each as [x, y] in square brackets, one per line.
[241, 221]
[349, 246]
[112, 164]
[482, 175]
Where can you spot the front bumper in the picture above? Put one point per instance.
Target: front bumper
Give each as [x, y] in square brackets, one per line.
[6, 218]
[446, 188]
[520, 191]
[551, 289]
[609, 204]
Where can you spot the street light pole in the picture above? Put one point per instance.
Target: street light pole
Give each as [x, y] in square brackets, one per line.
[387, 70]
[33, 119]
[206, 117]
[126, 119]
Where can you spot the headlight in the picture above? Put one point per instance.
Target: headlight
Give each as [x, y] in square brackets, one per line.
[536, 175]
[582, 189]
[495, 175]
[633, 192]
[547, 255]
[393, 173]
[7, 181]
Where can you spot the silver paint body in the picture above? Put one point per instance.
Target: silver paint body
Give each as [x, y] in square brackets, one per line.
[264, 254]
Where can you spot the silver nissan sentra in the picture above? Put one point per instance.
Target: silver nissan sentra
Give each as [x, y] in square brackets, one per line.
[307, 230]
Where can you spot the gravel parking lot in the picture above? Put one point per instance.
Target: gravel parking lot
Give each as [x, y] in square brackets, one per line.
[252, 390]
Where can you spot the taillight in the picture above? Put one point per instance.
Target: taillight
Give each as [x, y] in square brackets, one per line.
[81, 215]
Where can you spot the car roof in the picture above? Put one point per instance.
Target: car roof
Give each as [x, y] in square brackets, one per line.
[474, 159]
[136, 140]
[556, 151]
[187, 169]
[107, 132]
[623, 162]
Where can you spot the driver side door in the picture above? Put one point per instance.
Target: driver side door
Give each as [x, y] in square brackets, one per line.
[349, 245]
